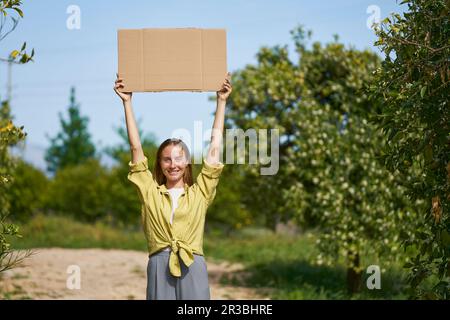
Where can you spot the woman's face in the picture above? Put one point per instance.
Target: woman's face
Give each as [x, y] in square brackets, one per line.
[173, 163]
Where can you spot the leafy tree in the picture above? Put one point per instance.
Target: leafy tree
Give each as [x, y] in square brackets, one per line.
[412, 85]
[122, 150]
[9, 136]
[81, 191]
[73, 144]
[267, 97]
[228, 210]
[27, 191]
[329, 175]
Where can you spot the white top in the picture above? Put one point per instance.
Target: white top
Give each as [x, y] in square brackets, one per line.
[175, 193]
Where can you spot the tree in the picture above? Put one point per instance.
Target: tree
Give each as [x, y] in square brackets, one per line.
[81, 191]
[9, 136]
[267, 98]
[27, 191]
[228, 210]
[412, 85]
[330, 177]
[73, 144]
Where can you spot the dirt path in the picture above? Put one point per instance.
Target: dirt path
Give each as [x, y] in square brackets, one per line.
[105, 274]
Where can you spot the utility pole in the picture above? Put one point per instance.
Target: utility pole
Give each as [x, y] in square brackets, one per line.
[9, 84]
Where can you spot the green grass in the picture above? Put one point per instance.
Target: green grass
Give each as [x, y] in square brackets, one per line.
[281, 264]
[284, 265]
[56, 231]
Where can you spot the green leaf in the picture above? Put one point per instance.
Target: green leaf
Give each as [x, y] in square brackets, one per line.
[445, 238]
[423, 91]
[428, 153]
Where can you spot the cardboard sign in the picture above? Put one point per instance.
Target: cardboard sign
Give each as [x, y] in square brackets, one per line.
[181, 59]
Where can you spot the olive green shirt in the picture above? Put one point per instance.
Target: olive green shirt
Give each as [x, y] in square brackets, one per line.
[185, 235]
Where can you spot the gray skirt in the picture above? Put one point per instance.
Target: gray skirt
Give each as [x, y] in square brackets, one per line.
[161, 285]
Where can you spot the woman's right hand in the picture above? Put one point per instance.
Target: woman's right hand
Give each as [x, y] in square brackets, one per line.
[125, 96]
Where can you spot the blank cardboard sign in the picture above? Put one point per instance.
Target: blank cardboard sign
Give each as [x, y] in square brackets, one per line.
[181, 59]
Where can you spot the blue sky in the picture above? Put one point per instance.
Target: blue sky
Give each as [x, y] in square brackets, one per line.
[87, 58]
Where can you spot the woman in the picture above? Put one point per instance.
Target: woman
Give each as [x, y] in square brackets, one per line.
[173, 207]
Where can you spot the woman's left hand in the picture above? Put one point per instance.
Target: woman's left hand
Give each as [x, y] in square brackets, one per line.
[226, 89]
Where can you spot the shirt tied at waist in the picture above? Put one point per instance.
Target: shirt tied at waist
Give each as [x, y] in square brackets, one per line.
[184, 251]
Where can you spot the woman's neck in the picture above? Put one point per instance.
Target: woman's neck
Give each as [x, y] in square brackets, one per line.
[178, 184]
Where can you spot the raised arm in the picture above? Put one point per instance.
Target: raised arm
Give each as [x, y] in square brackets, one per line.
[137, 154]
[213, 156]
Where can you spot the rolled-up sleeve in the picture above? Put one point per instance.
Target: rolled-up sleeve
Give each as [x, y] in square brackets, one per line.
[141, 177]
[208, 179]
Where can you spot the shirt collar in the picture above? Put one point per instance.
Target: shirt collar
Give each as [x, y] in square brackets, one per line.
[163, 188]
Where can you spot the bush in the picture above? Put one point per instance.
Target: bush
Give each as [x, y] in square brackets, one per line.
[27, 191]
[81, 191]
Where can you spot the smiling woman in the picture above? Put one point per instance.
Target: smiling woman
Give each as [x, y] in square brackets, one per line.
[173, 166]
[174, 207]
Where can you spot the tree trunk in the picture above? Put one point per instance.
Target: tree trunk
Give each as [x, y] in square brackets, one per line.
[354, 277]
[273, 222]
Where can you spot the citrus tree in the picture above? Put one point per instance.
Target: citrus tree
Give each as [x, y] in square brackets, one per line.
[330, 175]
[412, 85]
